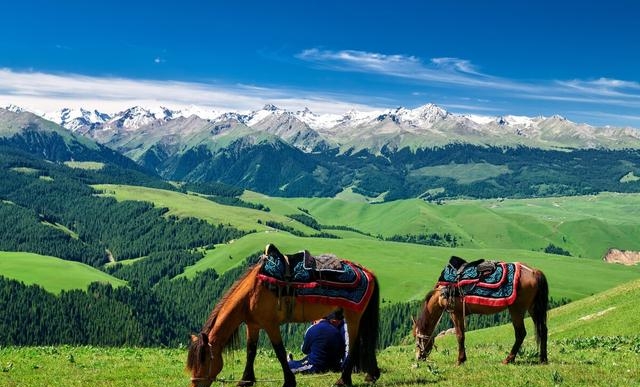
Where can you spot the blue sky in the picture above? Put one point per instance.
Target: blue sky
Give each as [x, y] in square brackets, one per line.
[577, 59]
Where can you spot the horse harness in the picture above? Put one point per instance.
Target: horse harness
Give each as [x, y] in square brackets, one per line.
[207, 379]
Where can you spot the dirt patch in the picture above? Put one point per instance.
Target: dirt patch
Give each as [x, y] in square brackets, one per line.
[625, 257]
[598, 314]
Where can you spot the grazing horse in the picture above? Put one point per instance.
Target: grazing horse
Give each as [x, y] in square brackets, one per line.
[261, 303]
[529, 292]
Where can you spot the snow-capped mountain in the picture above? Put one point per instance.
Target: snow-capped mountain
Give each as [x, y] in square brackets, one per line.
[425, 126]
[77, 120]
[13, 108]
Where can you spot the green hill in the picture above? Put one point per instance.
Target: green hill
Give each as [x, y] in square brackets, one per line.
[53, 274]
[586, 226]
[510, 230]
[408, 271]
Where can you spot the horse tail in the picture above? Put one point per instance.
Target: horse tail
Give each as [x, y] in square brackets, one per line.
[368, 332]
[539, 317]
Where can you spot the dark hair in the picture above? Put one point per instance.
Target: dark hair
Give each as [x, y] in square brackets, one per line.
[335, 315]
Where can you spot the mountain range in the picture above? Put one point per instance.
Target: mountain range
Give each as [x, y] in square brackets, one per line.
[425, 126]
[397, 153]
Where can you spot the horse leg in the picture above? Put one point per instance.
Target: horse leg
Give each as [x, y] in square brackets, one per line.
[248, 376]
[353, 357]
[281, 354]
[517, 319]
[541, 333]
[458, 323]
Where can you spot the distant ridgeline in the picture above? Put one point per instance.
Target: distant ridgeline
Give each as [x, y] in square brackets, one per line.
[450, 171]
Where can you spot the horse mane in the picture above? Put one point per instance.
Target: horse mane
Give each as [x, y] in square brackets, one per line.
[197, 352]
[234, 341]
[422, 316]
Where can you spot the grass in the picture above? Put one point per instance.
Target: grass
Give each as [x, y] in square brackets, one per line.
[25, 170]
[90, 165]
[53, 274]
[510, 230]
[583, 351]
[183, 205]
[420, 265]
[463, 173]
[586, 226]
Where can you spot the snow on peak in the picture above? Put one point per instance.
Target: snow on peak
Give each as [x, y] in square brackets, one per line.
[270, 107]
[76, 119]
[13, 108]
[135, 117]
[318, 121]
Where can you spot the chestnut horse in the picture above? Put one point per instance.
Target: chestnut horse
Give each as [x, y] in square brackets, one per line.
[532, 296]
[251, 302]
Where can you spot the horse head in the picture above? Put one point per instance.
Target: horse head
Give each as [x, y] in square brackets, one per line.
[424, 327]
[202, 361]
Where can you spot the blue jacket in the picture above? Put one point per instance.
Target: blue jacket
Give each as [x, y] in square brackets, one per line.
[324, 345]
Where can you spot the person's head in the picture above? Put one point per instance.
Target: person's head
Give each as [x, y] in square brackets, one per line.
[336, 317]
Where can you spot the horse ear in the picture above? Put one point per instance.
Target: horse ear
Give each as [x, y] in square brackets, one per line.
[205, 339]
[194, 338]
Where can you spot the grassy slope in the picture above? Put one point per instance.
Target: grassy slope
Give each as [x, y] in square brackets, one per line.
[609, 316]
[506, 230]
[183, 205]
[53, 274]
[420, 265]
[586, 226]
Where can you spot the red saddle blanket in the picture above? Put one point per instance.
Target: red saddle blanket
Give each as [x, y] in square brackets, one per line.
[351, 287]
[498, 288]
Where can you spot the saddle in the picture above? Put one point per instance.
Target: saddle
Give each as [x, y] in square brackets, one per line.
[482, 267]
[324, 279]
[322, 263]
[480, 282]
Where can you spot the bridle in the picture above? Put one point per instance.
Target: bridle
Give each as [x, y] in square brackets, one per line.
[422, 341]
[209, 378]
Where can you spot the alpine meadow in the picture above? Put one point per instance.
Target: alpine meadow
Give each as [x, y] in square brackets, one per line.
[185, 190]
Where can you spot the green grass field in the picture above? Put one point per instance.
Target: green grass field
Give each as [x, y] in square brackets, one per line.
[407, 271]
[587, 226]
[53, 274]
[592, 342]
[183, 205]
[510, 230]
[90, 165]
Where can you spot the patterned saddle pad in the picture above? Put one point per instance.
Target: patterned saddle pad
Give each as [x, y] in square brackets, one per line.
[348, 285]
[496, 288]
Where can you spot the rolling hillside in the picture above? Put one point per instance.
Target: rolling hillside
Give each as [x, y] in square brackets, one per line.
[512, 230]
[586, 226]
[51, 273]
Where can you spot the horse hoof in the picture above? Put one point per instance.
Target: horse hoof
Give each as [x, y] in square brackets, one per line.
[341, 382]
[370, 378]
[245, 383]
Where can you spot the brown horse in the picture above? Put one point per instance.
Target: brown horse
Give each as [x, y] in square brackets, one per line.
[531, 294]
[259, 307]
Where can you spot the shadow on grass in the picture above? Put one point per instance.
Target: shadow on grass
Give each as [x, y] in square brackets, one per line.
[409, 382]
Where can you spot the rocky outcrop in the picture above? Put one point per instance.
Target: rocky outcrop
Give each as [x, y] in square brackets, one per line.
[621, 256]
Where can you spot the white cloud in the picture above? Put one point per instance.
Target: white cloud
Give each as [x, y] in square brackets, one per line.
[461, 74]
[48, 92]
